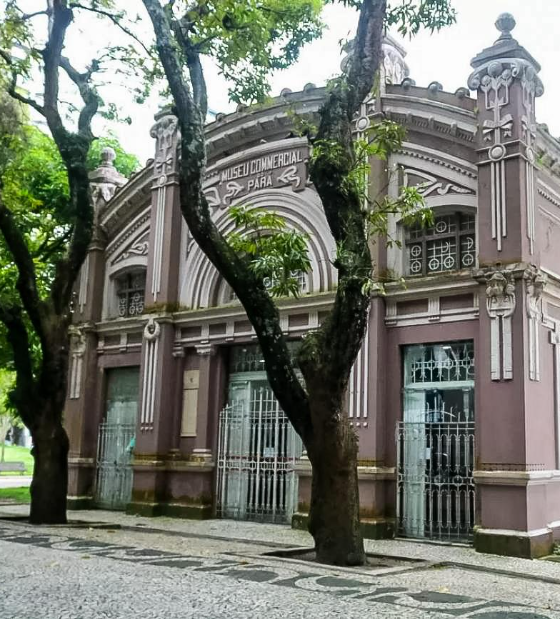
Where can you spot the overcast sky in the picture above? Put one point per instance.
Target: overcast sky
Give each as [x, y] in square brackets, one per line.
[444, 56]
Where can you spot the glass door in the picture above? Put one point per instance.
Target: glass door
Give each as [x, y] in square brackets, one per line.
[436, 442]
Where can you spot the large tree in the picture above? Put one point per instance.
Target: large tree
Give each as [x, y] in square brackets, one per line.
[186, 30]
[46, 224]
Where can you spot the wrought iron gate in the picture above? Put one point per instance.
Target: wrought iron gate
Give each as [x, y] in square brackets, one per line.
[113, 488]
[435, 486]
[114, 465]
[257, 452]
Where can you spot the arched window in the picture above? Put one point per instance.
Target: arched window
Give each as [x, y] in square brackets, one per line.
[130, 288]
[448, 244]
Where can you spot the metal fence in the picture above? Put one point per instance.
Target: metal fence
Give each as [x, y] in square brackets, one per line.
[114, 465]
[435, 485]
[257, 452]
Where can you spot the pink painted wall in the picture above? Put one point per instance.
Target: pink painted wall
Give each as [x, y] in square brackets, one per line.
[500, 418]
[539, 407]
[502, 507]
[547, 229]
[553, 502]
[372, 438]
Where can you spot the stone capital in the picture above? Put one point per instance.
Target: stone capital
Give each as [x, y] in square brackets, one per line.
[206, 349]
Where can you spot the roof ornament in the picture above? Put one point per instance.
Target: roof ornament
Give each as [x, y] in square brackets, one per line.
[505, 24]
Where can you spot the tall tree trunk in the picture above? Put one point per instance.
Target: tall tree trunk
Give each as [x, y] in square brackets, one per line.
[334, 514]
[49, 486]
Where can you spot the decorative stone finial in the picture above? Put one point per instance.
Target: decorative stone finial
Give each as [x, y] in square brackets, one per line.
[108, 157]
[505, 24]
[435, 87]
[106, 179]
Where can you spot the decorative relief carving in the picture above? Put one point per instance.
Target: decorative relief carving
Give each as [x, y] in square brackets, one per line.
[138, 248]
[166, 134]
[119, 241]
[494, 80]
[78, 349]
[529, 129]
[83, 289]
[495, 77]
[263, 171]
[152, 332]
[437, 161]
[534, 285]
[395, 69]
[428, 184]
[500, 305]
[555, 342]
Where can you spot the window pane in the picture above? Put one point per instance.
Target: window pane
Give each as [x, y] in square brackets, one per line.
[130, 293]
[467, 222]
[467, 251]
[449, 244]
[445, 225]
[437, 363]
[441, 255]
[415, 259]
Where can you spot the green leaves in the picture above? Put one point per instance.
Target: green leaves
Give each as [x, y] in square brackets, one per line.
[385, 138]
[126, 163]
[411, 15]
[277, 255]
[35, 189]
[248, 39]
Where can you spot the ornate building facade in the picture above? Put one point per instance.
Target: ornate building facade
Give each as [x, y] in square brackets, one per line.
[455, 395]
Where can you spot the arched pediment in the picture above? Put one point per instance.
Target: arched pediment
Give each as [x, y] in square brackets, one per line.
[302, 211]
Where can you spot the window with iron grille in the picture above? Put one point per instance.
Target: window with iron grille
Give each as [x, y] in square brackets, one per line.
[447, 245]
[130, 293]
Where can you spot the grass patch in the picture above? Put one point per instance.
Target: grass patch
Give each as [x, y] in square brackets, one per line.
[19, 495]
[18, 453]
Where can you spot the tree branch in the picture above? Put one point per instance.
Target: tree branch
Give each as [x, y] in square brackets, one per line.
[27, 280]
[73, 149]
[115, 20]
[60, 18]
[12, 88]
[28, 16]
[260, 308]
[87, 92]
[18, 339]
[343, 205]
[366, 54]
[192, 55]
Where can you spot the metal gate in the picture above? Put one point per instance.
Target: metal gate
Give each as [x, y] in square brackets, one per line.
[115, 445]
[114, 465]
[435, 486]
[257, 452]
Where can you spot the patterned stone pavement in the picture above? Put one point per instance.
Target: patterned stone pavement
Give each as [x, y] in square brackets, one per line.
[164, 575]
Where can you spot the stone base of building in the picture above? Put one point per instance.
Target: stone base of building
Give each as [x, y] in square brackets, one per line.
[84, 502]
[81, 481]
[519, 544]
[179, 511]
[372, 529]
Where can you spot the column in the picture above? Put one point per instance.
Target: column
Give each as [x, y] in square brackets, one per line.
[83, 409]
[156, 444]
[514, 457]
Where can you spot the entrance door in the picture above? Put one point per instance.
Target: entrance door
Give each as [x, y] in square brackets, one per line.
[257, 452]
[435, 443]
[116, 435]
